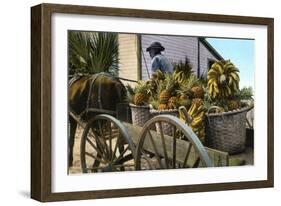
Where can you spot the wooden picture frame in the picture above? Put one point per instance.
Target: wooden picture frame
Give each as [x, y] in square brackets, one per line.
[41, 97]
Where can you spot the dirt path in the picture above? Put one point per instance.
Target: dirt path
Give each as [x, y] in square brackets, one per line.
[76, 168]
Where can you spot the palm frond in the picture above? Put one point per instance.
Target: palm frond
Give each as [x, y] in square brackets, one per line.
[93, 52]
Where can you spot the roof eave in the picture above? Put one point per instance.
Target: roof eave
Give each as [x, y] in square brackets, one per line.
[210, 48]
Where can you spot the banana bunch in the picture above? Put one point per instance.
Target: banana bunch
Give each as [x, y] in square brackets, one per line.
[197, 114]
[223, 79]
[194, 118]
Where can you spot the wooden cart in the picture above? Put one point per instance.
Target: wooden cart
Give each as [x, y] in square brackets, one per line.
[110, 144]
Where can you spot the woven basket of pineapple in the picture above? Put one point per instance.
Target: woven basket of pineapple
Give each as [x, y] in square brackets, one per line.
[226, 131]
[166, 128]
[140, 114]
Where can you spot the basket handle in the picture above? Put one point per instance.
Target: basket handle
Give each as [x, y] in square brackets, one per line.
[187, 117]
[211, 108]
[250, 107]
[247, 121]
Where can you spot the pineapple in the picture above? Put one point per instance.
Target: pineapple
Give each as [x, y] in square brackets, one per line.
[184, 100]
[173, 103]
[141, 96]
[164, 97]
[188, 84]
[170, 85]
[233, 105]
[198, 92]
[163, 107]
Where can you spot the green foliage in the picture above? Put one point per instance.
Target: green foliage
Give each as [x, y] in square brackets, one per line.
[92, 52]
[246, 93]
[130, 93]
[184, 66]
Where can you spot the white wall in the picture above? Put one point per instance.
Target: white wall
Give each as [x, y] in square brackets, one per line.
[15, 103]
[176, 49]
[205, 56]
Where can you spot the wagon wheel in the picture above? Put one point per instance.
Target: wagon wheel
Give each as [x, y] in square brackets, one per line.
[162, 136]
[106, 146]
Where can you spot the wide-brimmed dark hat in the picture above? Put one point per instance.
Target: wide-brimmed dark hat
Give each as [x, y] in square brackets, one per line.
[155, 45]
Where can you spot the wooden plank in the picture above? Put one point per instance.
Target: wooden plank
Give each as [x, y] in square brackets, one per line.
[219, 158]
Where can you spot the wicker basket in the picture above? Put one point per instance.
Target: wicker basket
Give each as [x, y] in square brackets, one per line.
[140, 114]
[227, 131]
[167, 128]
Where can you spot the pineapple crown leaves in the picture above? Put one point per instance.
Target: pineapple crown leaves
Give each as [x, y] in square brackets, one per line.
[169, 83]
[142, 87]
[130, 89]
[189, 83]
[158, 75]
[130, 93]
[184, 66]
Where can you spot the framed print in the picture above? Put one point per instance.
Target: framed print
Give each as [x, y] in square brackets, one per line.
[132, 102]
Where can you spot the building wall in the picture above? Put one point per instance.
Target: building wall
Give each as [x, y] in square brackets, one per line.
[176, 49]
[205, 56]
[128, 58]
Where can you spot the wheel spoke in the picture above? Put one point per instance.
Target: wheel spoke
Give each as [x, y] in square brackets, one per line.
[103, 139]
[99, 143]
[164, 144]
[196, 163]
[154, 147]
[125, 158]
[110, 140]
[121, 154]
[174, 147]
[94, 146]
[115, 147]
[187, 155]
[95, 157]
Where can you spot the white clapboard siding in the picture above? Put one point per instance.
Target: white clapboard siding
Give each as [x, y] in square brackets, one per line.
[176, 49]
[128, 61]
[205, 57]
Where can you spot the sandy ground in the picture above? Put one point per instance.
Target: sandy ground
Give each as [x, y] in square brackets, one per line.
[76, 168]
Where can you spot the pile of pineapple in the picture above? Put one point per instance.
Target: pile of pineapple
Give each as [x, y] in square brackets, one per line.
[196, 95]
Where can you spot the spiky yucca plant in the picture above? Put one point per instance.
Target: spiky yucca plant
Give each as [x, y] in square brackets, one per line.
[93, 52]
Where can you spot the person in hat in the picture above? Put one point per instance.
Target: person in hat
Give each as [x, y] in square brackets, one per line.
[158, 60]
